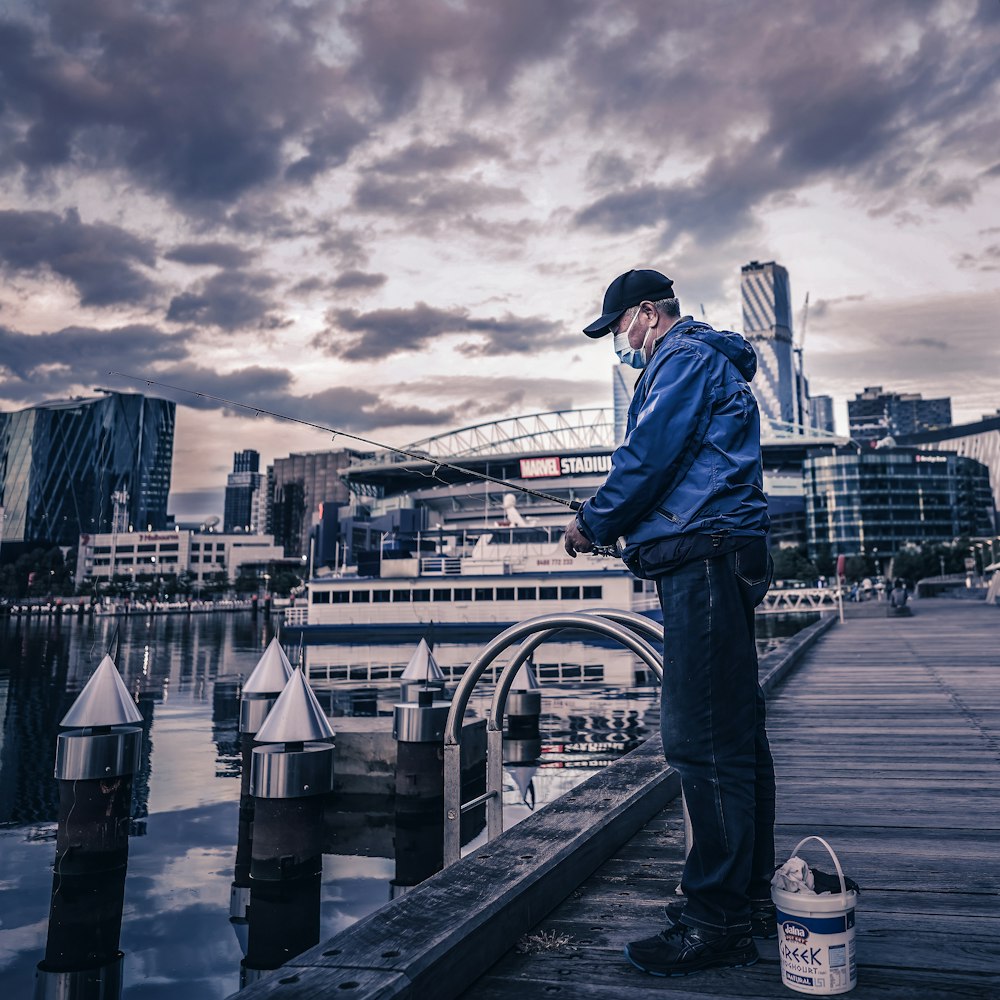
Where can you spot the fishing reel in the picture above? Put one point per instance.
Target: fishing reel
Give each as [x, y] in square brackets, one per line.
[611, 551]
[616, 551]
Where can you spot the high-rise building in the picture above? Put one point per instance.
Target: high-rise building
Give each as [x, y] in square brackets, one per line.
[875, 414]
[245, 500]
[767, 324]
[68, 467]
[821, 413]
[623, 379]
[297, 486]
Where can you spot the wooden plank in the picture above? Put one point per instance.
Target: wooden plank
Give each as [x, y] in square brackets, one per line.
[451, 928]
[595, 974]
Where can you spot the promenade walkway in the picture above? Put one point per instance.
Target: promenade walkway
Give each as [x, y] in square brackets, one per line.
[887, 743]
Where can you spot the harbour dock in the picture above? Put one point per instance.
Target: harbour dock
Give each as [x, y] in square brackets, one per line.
[886, 736]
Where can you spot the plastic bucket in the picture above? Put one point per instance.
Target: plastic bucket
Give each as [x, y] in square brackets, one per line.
[816, 936]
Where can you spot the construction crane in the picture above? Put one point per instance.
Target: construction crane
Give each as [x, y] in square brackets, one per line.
[800, 373]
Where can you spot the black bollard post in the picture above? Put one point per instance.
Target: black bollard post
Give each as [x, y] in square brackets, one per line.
[291, 776]
[260, 692]
[95, 765]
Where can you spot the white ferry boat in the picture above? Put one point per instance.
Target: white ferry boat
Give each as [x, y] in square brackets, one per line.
[508, 575]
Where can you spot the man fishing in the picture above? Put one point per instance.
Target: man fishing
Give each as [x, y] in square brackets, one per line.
[685, 494]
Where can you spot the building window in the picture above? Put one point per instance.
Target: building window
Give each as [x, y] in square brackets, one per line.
[102, 550]
[401, 597]
[380, 596]
[170, 547]
[548, 593]
[505, 593]
[527, 593]
[196, 559]
[593, 593]
[463, 594]
[361, 597]
[570, 593]
[442, 593]
[421, 595]
[484, 593]
[339, 596]
[146, 548]
[322, 597]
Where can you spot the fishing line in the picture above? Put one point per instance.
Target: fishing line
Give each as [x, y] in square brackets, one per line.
[336, 432]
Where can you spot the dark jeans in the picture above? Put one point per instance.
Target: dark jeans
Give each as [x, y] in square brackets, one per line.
[712, 722]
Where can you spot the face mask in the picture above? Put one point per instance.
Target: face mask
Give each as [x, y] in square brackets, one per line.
[634, 357]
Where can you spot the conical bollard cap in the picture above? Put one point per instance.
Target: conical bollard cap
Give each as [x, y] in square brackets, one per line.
[104, 701]
[522, 775]
[422, 665]
[296, 716]
[271, 673]
[525, 680]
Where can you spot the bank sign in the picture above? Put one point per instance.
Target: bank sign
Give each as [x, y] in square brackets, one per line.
[564, 465]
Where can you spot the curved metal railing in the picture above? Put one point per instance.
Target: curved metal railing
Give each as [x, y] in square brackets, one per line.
[626, 627]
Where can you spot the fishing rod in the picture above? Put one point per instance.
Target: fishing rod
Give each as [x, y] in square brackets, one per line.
[336, 432]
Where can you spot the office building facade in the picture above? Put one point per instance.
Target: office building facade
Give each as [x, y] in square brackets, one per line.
[143, 556]
[297, 487]
[245, 501]
[69, 467]
[871, 502]
[767, 324]
[979, 440]
[821, 413]
[875, 414]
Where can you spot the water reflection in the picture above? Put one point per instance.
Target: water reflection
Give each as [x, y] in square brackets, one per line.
[185, 810]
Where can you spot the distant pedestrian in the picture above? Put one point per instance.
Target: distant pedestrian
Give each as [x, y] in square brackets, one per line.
[685, 493]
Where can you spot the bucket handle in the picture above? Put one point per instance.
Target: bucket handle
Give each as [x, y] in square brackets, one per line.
[836, 862]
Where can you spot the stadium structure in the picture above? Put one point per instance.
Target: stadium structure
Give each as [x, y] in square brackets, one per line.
[564, 453]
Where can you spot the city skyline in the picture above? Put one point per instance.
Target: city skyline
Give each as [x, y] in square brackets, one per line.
[397, 220]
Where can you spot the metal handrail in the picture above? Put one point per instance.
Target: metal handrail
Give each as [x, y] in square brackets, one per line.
[620, 625]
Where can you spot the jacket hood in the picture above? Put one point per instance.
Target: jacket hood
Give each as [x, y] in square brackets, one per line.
[732, 345]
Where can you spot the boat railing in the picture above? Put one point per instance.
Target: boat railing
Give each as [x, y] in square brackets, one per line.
[633, 631]
[297, 615]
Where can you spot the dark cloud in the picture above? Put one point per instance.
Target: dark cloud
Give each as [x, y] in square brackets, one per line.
[196, 101]
[867, 116]
[227, 255]
[383, 332]
[480, 47]
[987, 259]
[328, 146]
[50, 365]
[358, 281]
[261, 389]
[232, 300]
[102, 261]
[429, 199]
[451, 153]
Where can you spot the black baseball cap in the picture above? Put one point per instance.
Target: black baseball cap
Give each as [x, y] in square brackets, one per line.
[627, 290]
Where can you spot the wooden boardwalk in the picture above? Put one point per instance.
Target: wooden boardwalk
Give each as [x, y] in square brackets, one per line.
[887, 743]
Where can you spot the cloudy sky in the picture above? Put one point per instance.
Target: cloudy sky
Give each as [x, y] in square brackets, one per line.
[395, 217]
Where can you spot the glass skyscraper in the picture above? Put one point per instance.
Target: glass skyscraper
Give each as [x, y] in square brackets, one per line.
[767, 324]
[864, 502]
[67, 467]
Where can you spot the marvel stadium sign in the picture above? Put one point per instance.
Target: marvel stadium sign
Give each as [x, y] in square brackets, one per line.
[564, 465]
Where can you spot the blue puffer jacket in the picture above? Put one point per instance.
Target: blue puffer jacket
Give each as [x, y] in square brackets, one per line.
[690, 462]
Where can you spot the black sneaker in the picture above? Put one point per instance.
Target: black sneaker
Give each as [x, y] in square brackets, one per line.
[681, 950]
[763, 917]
